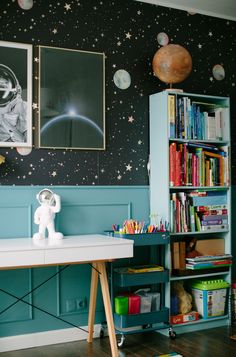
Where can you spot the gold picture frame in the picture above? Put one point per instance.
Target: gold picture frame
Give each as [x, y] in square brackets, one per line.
[71, 99]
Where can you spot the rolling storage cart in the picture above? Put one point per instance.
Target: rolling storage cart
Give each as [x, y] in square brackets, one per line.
[123, 282]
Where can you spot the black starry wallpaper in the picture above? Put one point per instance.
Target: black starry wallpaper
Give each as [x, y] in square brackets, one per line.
[129, 33]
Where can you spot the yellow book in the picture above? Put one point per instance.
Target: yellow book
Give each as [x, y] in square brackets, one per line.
[145, 268]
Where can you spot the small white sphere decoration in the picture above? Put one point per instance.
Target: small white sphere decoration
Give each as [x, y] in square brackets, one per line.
[122, 79]
[162, 39]
[24, 151]
[26, 4]
[218, 72]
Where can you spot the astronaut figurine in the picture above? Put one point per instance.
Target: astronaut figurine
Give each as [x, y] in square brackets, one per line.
[44, 216]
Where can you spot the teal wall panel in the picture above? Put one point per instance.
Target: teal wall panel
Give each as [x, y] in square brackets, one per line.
[17, 282]
[84, 210]
[15, 216]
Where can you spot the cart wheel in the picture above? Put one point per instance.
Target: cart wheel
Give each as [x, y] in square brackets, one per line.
[101, 335]
[103, 330]
[147, 326]
[121, 342]
[172, 334]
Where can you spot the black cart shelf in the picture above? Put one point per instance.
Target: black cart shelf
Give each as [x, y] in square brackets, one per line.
[120, 279]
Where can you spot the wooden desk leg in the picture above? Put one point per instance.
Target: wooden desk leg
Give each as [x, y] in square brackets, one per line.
[92, 301]
[101, 266]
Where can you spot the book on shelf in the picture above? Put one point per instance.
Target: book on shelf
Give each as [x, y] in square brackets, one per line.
[145, 268]
[171, 114]
[209, 208]
[221, 213]
[209, 198]
[213, 222]
[215, 228]
[178, 255]
[175, 255]
[213, 257]
[182, 255]
[209, 265]
[206, 216]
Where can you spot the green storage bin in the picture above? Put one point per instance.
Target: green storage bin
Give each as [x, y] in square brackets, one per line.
[121, 305]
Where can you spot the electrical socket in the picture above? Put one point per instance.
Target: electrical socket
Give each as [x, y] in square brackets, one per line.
[81, 303]
[71, 305]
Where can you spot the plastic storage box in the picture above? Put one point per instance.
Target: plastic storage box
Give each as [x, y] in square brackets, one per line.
[210, 297]
[121, 305]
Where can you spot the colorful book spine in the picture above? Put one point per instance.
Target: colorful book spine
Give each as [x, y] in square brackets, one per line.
[210, 208]
[208, 266]
[215, 198]
[210, 217]
[172, 164]
[171, 114]
[202, 258]
[215, 228]
[214, 222]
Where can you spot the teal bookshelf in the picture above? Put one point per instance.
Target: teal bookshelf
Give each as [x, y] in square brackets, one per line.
[197, 127]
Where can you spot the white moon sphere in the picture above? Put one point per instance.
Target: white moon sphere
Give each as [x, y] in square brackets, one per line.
[218, 72]
[24, 151]
[122, 79]
[162, 39]
[25, 4]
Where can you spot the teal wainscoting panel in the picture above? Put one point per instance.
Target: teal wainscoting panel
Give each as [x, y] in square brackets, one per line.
[86, 209]
[83, 218]
[13, 217]
[18, 283]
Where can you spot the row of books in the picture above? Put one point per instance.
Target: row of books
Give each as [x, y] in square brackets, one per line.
[196, 120]
[198, 211]
[196, 164]
[209, 261]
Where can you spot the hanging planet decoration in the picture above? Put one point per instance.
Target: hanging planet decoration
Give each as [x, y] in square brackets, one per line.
[24, 151]
[172, 63]
[122, 79]
[25, 4]
[162, 39]
[218, 72]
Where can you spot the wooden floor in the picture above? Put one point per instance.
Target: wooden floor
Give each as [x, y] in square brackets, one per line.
[207, 343]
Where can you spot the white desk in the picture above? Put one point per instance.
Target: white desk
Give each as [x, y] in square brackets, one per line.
[94, 248]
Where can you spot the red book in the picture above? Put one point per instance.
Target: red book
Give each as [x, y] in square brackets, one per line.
[172, 159]
[178, 174]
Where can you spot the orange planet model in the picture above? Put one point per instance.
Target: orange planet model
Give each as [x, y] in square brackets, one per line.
[172, 63]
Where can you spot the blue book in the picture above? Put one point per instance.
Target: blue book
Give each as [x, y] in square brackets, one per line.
[212, 198]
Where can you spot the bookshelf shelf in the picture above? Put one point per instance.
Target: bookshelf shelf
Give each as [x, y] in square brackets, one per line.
[198, 233]
[190, 179]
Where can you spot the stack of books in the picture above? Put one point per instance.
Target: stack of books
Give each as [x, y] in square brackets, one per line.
[197, 211]
[209, 261]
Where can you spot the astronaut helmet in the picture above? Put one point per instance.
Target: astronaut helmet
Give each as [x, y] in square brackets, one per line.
[9, 86]
[46, 196]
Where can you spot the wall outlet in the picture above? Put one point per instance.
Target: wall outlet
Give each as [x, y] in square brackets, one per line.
[71, 305]
[81, 303]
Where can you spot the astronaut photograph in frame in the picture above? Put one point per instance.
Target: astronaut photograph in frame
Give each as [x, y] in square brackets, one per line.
[15, 94]
[71, 99]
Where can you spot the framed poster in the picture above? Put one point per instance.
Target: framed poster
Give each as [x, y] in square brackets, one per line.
[71, 99]
[15, 94]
